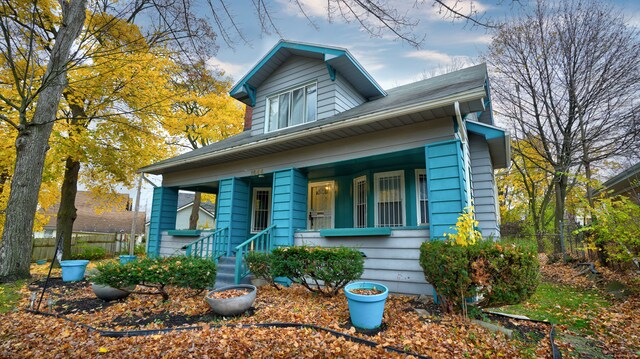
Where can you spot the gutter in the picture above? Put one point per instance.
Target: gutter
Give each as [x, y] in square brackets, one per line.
[348, 122]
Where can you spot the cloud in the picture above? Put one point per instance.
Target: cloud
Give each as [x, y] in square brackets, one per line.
[313, 8]
[430, 55]
[235, 70]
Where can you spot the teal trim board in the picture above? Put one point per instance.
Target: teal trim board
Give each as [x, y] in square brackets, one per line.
[233, 210]
[489, 132]
[184, 233]
[445, 186]
[163, 217]
[289, 205]
[356, 232]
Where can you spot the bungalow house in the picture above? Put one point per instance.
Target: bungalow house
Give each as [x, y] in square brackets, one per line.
[329, 158]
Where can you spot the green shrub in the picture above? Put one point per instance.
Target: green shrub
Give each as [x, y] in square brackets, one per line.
[313, 266]
[498, 274]
[90, 253]
[156, 273]
[259, 264]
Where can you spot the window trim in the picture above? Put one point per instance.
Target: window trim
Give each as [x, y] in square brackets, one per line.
[403, 199]
[253, 209]
[290, 90]
[421, 171]
[357, 180]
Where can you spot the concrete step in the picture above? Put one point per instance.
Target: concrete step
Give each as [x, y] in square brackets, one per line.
[227, 260]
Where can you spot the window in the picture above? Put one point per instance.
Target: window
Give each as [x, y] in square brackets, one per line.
[360, 202]
[292, 108]
[389, 199]
[422, 197]
[260, 213]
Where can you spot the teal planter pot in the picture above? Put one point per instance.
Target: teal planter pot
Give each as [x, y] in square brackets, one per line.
[124, 259]
[73, 271]
[41, 261]
[366, 310]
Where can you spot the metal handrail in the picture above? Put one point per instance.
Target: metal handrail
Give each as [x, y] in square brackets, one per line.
[260, 242]
[213, 246]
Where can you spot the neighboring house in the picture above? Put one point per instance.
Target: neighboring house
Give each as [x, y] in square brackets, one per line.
[625, 183]
[105, 218]
[206, 214]
[329, 158]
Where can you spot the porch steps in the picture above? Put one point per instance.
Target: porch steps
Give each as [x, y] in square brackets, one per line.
[226, 273]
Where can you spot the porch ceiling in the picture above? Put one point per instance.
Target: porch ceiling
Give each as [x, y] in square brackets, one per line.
[410, 158]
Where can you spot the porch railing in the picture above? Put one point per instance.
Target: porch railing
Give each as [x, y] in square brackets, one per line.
[212, 246]
[261, 242]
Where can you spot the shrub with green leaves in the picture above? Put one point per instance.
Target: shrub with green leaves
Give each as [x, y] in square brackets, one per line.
[259, 264]
[321, 270]
[501, 275]
[156, 273]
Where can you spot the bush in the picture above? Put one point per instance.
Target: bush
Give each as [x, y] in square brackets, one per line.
[500, 275]
[90, 253]
[309, 266]
[259, 264]
[156, 273]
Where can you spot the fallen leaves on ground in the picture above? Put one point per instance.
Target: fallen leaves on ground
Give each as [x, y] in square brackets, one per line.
[23, 334]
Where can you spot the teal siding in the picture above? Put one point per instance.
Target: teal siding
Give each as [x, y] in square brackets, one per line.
[289, 205]
[446, 184]
[233, 209]
[163, 217]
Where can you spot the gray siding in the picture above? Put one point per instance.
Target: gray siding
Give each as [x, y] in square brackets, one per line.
[346, 97]
[295, 71]
[484, 189]
[392, 261]
[172, 246]
[391, 140]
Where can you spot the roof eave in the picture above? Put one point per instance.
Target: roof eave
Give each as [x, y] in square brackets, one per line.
[466, 96]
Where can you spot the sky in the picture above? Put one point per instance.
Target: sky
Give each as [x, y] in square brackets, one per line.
[390, 61]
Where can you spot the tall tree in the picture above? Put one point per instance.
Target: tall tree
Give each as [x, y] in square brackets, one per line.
[576, 63]
[203, 114]
[20, 50]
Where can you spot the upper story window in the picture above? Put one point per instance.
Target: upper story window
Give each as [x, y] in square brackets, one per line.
[293, 107]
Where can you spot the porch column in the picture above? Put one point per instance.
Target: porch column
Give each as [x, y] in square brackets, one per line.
[446, 185]
[163, 217]
[289, 205]
[233, 210]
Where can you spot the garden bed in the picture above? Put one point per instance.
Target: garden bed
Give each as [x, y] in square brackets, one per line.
[436, 336]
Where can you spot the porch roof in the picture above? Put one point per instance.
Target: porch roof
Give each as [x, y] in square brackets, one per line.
[432, 98]
[498, 140]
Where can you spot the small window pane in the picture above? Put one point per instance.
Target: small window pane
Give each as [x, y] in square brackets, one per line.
[283, 116]
[273, 113]
[423, 201]
[360, 202]
[297, 107]
[312, 103]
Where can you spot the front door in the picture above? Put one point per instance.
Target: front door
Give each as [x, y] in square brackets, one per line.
[321, 205]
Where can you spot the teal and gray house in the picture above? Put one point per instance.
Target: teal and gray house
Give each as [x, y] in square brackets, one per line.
[330, 158]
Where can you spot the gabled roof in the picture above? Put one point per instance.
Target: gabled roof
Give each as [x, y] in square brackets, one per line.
[498, 140]
[336, 59]
[434, 96]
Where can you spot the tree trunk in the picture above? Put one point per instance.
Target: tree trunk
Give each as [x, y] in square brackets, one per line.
[195, 211]
[32, 145]
[67, 212]
[561, 195]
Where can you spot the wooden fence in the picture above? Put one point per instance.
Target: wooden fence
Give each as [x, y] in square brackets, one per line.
[113, 243]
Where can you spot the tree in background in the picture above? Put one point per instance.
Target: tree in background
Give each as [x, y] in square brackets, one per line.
[567, 74]
[204, 113]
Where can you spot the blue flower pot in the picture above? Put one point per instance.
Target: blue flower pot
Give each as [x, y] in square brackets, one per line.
[366, 310]
[124, 259]
[73, 271]
[41, 261]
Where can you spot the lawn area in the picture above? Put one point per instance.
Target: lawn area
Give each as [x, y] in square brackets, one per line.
[9, 295]
[590, 322]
